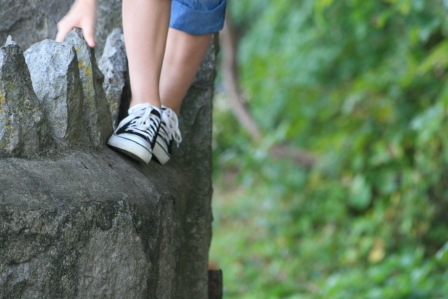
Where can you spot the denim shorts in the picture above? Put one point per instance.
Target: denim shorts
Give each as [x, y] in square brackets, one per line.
[198, 16]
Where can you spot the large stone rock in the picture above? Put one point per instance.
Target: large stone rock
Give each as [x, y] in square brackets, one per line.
[55, 75]
[23, 130]
[91, 223]
[97, 115]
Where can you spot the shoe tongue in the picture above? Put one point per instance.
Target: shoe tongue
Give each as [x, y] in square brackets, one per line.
[138, 107]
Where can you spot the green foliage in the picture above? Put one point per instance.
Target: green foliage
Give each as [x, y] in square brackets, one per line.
[363, 84]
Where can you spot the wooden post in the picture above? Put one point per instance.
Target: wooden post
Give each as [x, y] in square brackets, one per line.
[214, 284]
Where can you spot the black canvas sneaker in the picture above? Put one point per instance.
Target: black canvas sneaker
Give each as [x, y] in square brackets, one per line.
[135, 135]
[168, 132]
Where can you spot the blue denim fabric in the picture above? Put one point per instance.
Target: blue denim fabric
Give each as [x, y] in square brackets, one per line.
[198, 16]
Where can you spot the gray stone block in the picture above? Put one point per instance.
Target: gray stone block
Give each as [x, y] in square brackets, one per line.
[97, 116]
[113, 65]
[54, 72]
[23, 130]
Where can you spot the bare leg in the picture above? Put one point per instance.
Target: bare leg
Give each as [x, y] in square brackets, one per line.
[145, 26]
[183, 56]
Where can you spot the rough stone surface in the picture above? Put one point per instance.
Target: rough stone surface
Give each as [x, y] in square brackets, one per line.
[108, 18]
[30, 21]
[23, 130]
[113, 65]
[54, 72]
[88, 225]
[96, 108]
[84, 223]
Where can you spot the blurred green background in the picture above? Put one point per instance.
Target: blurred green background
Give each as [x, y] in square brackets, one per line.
[361, 85]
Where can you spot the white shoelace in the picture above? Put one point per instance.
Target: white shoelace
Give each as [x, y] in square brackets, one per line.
[172, 126]
[142, 125]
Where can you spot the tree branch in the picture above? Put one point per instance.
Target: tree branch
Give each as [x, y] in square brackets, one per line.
[230, 74]
[229, 67]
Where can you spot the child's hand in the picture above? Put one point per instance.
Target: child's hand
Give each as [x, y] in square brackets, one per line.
[81, 15]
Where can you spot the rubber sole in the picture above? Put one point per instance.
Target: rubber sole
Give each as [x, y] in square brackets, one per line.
[160, 154]
[130, 148]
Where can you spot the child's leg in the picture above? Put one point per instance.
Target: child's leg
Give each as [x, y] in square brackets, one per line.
[145, 26]
[183, 56]
[192, 24]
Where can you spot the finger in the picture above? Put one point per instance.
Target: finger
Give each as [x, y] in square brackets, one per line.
[63, 30]
[89, 34]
